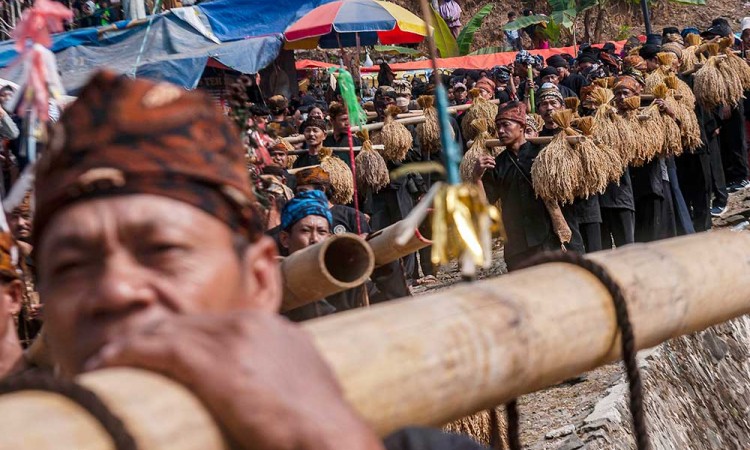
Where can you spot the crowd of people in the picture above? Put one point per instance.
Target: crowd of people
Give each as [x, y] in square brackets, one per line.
[150, 236]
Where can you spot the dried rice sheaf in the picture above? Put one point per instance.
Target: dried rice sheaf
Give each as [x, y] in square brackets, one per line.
[739, 67]
[395, 137]
[714, 86]
[647, 134]
[612, 130]
[672, 136]
[605, 159]
[556, 173]
[372, 170]
[428, 132]
[342, 185]
[481, 108]
[687, 97]
[478, 148]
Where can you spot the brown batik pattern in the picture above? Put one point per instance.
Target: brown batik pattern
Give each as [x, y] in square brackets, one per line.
[126, 136]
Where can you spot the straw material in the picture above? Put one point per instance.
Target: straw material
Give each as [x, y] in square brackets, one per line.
[647, 135]
[684, 112]
[601, 163]
[557, 171]
[397, 139]
[478, 148]
[739, 67]
[572, 103]
[672, 136]
[612, 130]
[716, 83]
[372, 171]
[481, 108]
[342, 185]
[428, 132]
[687, 98]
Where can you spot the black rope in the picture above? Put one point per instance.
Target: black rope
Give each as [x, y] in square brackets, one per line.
[635, 384]
[86, 398]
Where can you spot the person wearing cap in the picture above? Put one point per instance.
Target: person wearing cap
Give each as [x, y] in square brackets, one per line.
[648, 52]
[586, 59]
[550, 75]
[460, 96]
[150, 249]
[314, 131]
[745, 35]
[507, 177]
[521, 65]
[654, 212]
[339, 116]
[503, 88]
[572, 81]
[719, 28]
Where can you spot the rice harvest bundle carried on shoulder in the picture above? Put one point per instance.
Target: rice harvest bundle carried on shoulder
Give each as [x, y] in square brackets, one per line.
[601, 163]
[342, 185]
[372, 171]
[557, 171]
[395, 137]
[690, 55]
[478, 148]
[481, 108]
[572, 103]
[611, 130]
[428, 132]
[686, 118]
[672, 144]
[656, 77]
[711, 87]
[647, 135]
[739, 67]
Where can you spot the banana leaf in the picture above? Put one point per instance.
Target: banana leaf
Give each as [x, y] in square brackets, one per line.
[444, 40]
[553, 31]
[523, 22]
[491, 50]
[466, 36]
[585, 5]
[396, 49]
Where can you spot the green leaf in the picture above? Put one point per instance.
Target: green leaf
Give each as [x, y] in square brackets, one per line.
[397, 50]
[561, 5]
[690, 2]
[553, 31]
[490, 50]
[565, 18]
[585, 5]
[444, 40]
[466, 36]
[523, 22]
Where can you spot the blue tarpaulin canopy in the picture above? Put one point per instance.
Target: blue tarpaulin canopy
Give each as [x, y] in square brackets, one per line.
[244, 35]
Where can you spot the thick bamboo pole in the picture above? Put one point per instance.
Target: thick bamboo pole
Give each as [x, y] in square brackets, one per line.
[339, 263]
[436, 358]
[385, 245]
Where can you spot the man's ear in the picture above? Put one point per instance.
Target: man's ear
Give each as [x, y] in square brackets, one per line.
[263, 274]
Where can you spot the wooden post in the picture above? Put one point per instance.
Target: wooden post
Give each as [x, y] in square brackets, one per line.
[439, 357]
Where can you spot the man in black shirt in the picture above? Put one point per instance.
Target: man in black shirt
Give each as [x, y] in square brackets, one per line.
[572, 81]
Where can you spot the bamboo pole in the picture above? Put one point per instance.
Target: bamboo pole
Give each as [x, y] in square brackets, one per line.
[439, 357]
[407, 119]
[302, 151]
[539, 140]
[339, 263]
[385, 245]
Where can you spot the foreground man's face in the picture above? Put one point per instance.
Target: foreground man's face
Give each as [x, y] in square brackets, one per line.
[107, 266]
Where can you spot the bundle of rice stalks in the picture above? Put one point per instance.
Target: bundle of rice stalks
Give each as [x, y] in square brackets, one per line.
[688, 122]
[656, 77]
[601, 163]
[739, 67]
[606, 83]
[710, 87]
[481, 108]
[647, 134]
[478, 148]
[428, 132]
[690, 55]
[612, 130]
[672, 136]
[395, 136]
[342, 185]
[732, 82]
[687, 97]
[557, 171]
[572, 103]
[372, 171]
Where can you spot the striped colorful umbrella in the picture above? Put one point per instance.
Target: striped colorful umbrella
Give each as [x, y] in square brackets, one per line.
[340, 23]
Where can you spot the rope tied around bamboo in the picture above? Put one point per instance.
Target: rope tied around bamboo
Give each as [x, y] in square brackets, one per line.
[557, 172]
[373, 170]
[395, 136]
[342, 184]
[481, 108]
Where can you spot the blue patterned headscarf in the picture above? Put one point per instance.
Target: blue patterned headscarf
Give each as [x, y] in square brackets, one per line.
[308, 203]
